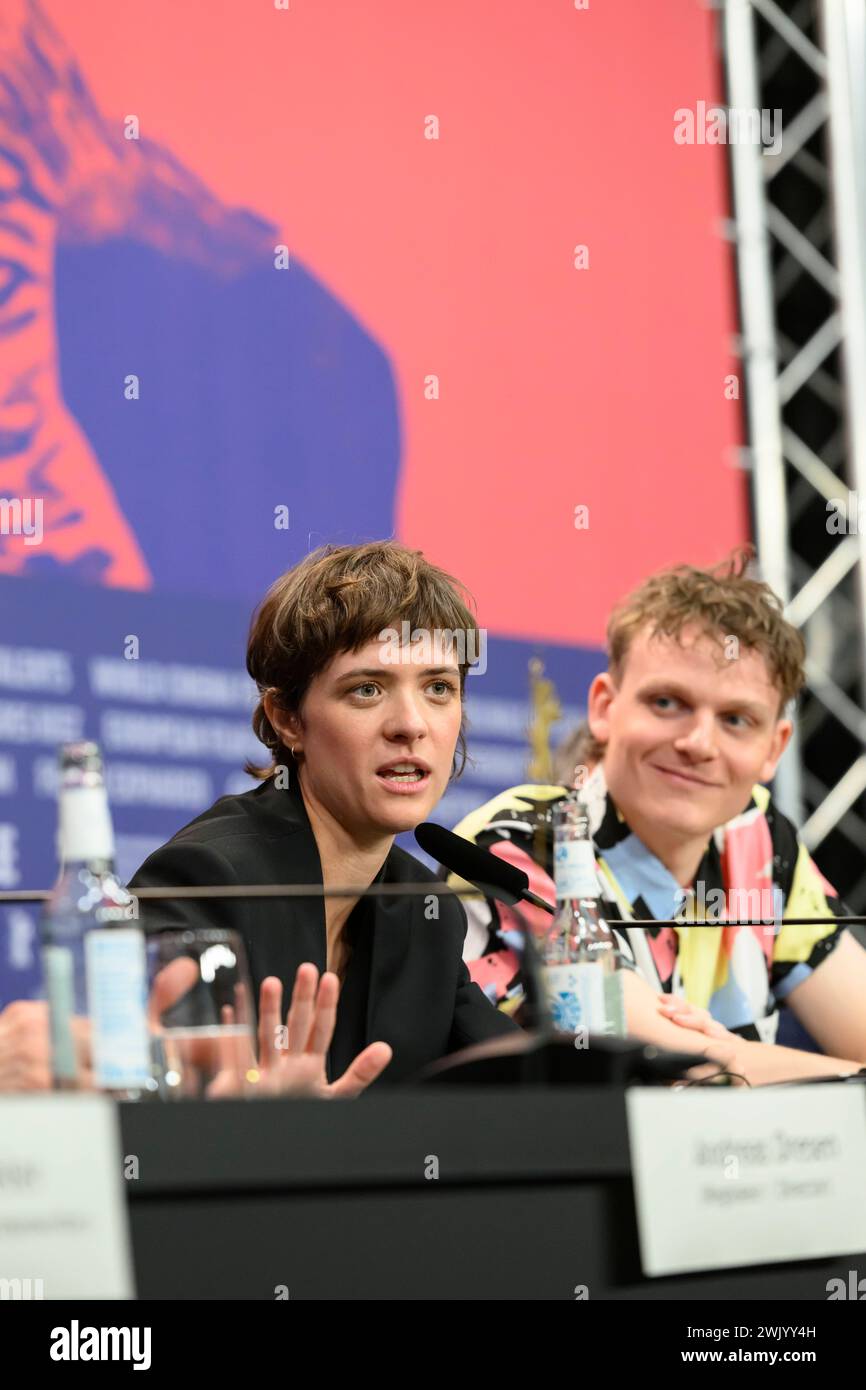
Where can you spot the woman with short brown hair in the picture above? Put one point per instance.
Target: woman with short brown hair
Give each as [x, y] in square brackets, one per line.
[360, 655]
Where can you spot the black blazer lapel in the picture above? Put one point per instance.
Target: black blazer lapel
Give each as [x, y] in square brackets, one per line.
[393, 918]
[294, 858]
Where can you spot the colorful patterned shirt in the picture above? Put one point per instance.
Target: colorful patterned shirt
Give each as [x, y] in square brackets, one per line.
[754, 867]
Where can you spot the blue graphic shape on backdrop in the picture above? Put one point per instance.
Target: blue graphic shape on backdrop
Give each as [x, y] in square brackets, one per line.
[257, 391]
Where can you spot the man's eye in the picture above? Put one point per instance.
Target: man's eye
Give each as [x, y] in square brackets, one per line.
[742, 718]
[367, 685]
[661, 699]
[445, 687]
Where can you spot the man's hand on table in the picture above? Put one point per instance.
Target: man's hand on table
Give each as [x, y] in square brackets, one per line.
[725, 1048]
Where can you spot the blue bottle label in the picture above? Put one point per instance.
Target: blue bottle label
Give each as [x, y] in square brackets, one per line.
[117, 1004]
[562, 990]
[576, 997]
[59, 975]
[574, 870]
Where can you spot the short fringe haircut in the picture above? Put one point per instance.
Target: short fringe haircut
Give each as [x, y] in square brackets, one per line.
[337, 599]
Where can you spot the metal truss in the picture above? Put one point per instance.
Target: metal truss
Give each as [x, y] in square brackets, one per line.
[800, 232]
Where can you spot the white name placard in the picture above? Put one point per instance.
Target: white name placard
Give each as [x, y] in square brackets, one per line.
[726, 1177]
[63, 1223]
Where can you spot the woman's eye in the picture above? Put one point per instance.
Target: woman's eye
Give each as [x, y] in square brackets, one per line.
[369, 689]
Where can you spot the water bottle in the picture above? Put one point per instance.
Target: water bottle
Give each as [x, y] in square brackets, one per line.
[93, 949]
[581, 963]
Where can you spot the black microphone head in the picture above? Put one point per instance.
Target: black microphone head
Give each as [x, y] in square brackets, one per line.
[487, 871]
[499, 880]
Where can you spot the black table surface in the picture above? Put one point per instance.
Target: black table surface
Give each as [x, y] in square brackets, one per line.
[409, 1193]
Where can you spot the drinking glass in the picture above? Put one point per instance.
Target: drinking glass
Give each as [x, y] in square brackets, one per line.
[201, 1014]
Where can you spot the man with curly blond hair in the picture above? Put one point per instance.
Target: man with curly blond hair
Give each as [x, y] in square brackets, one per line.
[684, 731]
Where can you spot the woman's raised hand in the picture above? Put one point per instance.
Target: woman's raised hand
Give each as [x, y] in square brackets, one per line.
[292, 1056]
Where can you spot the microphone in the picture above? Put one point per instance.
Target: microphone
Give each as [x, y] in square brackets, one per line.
[493, 876]
[544, 1057]
[505, 883]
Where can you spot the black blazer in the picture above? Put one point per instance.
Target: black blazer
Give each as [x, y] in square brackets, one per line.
[406, 982]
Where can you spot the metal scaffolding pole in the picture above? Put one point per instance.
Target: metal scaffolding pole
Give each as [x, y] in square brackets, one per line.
[759, 350]
[800, 228]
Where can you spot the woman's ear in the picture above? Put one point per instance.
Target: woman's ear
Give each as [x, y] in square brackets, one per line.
[287, 725]
[598, 703]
